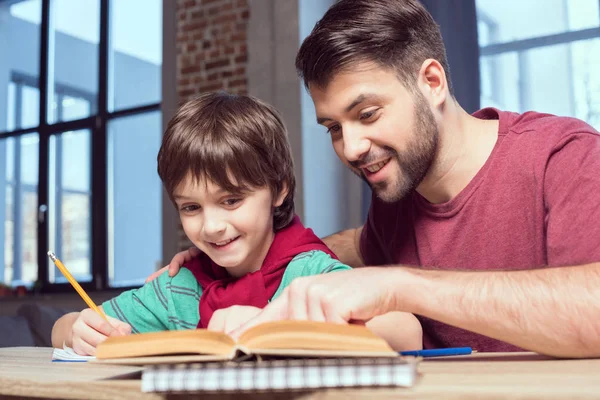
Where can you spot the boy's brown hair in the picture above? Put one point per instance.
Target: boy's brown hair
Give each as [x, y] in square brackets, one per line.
[219, 137]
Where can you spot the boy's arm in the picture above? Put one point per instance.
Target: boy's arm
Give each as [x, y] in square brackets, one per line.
[401, 330]
[140, 310]
[166, 303]
[62, 330]
[83, 331]
[145, 309]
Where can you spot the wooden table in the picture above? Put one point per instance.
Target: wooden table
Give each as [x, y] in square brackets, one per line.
[28, 372]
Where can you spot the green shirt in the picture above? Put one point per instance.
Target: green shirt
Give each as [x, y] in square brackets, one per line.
[171, 303]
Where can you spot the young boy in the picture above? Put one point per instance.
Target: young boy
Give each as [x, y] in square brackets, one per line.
[226, 164]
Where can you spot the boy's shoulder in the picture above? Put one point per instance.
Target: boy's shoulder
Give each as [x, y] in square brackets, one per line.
[183, 280]
[314, 262]
[308, 263]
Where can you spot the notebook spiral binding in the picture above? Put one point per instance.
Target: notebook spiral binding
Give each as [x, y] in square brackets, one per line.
[276, 375]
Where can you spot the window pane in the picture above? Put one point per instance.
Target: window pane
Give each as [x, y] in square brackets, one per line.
[134, 199]
[559, 79]
[586, 81]
[74, 108]
[69, 204]
[135, 54]
[30, 106]
[74, 37]
[18, 209]
[500, 81]
[509, 20]
[11, 106]
[19, 50]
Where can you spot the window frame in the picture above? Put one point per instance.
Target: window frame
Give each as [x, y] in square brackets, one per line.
[520, 46]
[97, 125]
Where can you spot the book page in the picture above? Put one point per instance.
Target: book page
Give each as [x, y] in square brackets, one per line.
[306, 337]
[68, 354]
[194, 341]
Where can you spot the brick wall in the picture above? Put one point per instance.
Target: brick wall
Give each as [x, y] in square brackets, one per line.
[211, 51]
[211, 46]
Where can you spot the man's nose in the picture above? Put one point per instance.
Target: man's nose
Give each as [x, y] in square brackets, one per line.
[356, 146]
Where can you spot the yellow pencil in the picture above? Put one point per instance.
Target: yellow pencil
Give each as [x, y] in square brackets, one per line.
[76, 285]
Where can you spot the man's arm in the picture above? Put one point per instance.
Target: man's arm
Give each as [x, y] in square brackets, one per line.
[552, 310]
[345, 245]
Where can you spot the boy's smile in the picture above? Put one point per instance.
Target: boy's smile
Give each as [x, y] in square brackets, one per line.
[224, 243]
[234, 229]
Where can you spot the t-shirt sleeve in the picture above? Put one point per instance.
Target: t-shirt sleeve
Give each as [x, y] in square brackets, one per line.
[166, 303]
[145, 308]
[310, 263]
[572, 200]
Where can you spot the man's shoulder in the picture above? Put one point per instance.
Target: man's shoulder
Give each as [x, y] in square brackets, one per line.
[532, 121]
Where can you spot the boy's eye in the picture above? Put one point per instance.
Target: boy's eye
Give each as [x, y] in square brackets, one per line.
[232, 201]
[190, 208]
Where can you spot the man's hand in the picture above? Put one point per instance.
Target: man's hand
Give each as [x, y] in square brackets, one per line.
[90, 329]
[176, 263]
[347, 296]
[231, 318]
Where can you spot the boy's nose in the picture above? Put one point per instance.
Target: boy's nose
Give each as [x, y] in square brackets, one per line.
[213, 228]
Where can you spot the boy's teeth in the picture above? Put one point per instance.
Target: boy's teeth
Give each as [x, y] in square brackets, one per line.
[223, 243]
[376, 167]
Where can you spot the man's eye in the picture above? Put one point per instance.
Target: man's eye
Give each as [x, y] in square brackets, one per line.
[334, 128]
[367, 115]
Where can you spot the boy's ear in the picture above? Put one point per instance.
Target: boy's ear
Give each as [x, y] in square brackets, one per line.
[277, 201]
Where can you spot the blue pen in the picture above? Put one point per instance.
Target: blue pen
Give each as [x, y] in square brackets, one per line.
[450, 351]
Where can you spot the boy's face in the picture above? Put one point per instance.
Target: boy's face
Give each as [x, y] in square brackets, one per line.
[235, 231]
[383, 132]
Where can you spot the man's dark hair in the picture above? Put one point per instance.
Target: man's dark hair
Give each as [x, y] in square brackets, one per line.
[394, 34]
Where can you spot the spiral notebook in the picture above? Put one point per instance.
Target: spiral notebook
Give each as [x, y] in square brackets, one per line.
[274, 375]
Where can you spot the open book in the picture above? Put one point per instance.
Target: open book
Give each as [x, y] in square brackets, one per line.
[280, 339]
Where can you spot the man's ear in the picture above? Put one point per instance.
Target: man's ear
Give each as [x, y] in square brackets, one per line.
[277, 201]
[432, 79]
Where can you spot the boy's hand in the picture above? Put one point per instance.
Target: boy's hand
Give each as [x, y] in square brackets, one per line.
[231, 318]
[90, 329]
[176, 263]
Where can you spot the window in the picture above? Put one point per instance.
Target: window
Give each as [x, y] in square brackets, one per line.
[80, 127]
[544, 63]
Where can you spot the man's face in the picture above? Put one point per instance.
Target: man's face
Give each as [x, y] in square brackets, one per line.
[385, 133]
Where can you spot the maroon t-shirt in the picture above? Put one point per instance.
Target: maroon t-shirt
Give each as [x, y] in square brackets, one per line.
[534, 203]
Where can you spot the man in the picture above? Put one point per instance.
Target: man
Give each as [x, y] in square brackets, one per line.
[488, 224]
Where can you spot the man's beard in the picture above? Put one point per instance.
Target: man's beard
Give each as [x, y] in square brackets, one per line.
[413, 163]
